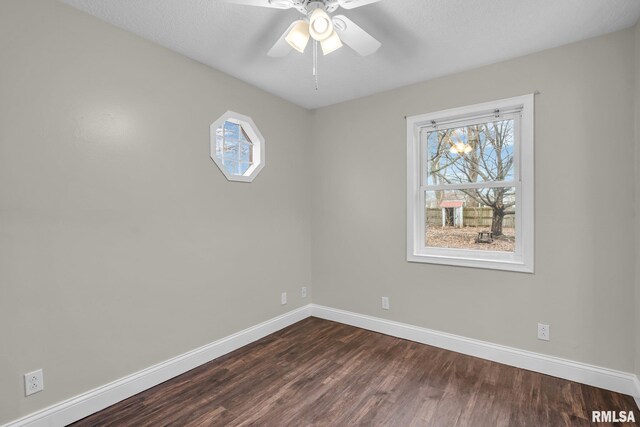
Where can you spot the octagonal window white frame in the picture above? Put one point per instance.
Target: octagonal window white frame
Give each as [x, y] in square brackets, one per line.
[255, 137]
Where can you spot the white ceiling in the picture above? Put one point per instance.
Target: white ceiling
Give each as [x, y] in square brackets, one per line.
[422, 39]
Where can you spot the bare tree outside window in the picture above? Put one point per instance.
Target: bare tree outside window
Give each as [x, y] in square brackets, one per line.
[474, 153]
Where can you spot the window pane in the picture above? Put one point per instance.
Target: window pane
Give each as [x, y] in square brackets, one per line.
[236, 168]
[242, 168]
[245, 152]
[230, 152]
[231, 130]
[476, 153]
[234, 148]
[480, 219]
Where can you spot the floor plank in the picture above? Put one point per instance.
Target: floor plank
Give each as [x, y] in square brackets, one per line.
[322, 373]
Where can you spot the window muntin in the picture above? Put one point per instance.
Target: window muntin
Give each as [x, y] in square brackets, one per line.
[470, 171]
[237, 147]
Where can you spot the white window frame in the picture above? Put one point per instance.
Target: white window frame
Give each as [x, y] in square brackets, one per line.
[522, 260]
[255, 138]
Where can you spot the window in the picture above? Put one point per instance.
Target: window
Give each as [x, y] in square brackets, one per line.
[470, 186]
[237, 147]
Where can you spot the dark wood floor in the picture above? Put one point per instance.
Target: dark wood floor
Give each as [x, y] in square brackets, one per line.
[321, 373]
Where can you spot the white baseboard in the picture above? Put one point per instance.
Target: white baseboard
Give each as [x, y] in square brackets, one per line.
[97, 399]
[621, 382]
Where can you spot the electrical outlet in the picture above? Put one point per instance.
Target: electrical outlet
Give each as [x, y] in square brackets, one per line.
[303, 292]
[283, 298]
[385, 303]
[33, 382]
[543, 332]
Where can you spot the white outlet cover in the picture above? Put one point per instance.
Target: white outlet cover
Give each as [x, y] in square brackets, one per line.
[385, 303]
[283, 298]
[33, 382]
[543, 332]
[303, 292]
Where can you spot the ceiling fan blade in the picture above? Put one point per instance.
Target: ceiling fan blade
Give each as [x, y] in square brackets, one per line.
[275, 4]
[282, 47]
[352, 4]
[354, 36]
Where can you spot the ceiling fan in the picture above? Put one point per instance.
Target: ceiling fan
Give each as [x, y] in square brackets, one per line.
[320, 26]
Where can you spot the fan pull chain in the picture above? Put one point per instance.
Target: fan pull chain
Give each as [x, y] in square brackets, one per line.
[315, 62]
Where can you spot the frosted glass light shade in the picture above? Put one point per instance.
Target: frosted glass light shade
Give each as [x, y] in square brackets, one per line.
[332, 43]
[298, 37]
[320, 25]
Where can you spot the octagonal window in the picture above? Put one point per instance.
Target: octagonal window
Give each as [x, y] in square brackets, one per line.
[237, 147]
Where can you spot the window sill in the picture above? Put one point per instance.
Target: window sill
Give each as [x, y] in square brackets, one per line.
[504, 265]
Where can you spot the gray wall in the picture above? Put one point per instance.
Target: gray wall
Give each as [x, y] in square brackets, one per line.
[637, 111]
[584, 280]
[121, 243]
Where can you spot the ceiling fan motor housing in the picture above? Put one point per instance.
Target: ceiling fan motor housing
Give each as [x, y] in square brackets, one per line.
[326, 5]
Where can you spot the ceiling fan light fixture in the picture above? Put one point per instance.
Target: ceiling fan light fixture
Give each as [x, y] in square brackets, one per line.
[320, 25]
[298, 37]
[331, 43]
